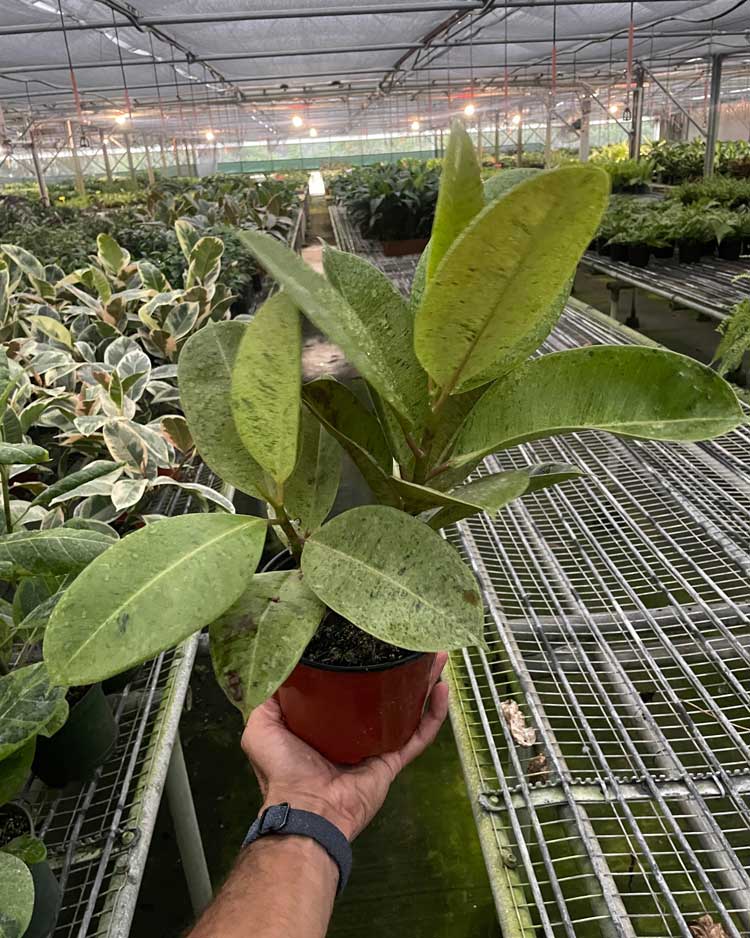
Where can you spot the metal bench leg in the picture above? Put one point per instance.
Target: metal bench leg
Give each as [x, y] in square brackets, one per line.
[189, 843]
[632, 319]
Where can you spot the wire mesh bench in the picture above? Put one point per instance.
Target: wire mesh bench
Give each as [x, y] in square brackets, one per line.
[618, 620]
[710, 287]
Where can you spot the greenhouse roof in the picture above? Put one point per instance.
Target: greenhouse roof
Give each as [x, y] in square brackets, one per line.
[174, 68]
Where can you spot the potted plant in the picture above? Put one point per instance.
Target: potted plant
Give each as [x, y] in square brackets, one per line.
[30, 895]
[449, 379]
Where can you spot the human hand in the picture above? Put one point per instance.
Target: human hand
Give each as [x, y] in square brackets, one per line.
[289, 770]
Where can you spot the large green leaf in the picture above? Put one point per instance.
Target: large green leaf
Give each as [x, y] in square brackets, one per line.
[503, 274]
[395, 578]
[628, 390]
[16, 896]
[385, 314]
[28, 263]
[152, 589]
[500, 183]
[28, 848]
[460, 197]
[15, 769]
[258, 641]
[486, 494]
[265, 390]
[324, 306]
[419, 283]
[357, 430]
[28, 701]
[310, 491]
[57, 550]
[493, 492]
[204, 376]
[22, 454]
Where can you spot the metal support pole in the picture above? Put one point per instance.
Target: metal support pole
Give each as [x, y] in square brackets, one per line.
[497, 137]
[636, 134]
[149, 167]
[190, 172]
[131, 164]
[163, 154]
[105, 155]
[714, 115]
[80, 184]
[43, 193]
[189, 843]
[583, 140]
[548, 136]
[176, 151]
[195, 158]
[519, 144]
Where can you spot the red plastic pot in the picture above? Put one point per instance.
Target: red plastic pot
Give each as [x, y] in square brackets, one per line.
[348, 713]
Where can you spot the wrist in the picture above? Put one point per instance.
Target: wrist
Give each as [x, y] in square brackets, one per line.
[303, 801]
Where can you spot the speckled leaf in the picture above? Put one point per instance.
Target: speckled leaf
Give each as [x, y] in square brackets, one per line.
[204, 376]
[486, 494]
[28, 701]
[57, 550]
[15, 769]
[181, 573]
[395, 578]
[419, 283]
[310, 490]
[328, 310]
[500, 183]
[504, 272]
[493, 492]
[357, 430]
[22, 454]
[258, 641]
[265, 390]
[385, 314]
[628, 390]
[460, 197]
[16, 896]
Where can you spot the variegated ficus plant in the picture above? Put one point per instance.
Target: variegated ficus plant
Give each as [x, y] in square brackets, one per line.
[450, 376]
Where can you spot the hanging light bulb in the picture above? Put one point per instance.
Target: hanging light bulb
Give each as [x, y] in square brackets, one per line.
[297, 121]
[415, 125]
[121, 119]
[516, 120]
[469, 110]
[210, 135]
[614, 108]
[313, 132]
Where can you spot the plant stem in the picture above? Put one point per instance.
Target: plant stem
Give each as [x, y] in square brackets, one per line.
[295, 541]
[6, 500]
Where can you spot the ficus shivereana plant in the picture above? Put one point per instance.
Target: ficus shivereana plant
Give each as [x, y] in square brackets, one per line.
[450, 378]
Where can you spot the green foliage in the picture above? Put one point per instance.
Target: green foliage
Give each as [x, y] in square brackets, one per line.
[16, 896]
[735, 338]
[410, 425]
[628, 175]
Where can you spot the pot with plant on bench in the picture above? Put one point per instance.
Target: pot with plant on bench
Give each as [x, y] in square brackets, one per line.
[344, 630]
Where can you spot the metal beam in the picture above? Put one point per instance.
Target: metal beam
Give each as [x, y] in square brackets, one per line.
[636, 134]
[43, 193]
[668, 93]
[714, 114]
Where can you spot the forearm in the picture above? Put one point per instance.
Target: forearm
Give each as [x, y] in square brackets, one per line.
[280, 887]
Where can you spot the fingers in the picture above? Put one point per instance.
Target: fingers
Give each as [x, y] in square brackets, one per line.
[437, 667]
[429, 727]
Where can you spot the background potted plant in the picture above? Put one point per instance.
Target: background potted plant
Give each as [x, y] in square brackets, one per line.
[449, 379]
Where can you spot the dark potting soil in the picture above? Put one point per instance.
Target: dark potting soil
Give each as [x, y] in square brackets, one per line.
[76, 694]
[12, 825]
[338, 642]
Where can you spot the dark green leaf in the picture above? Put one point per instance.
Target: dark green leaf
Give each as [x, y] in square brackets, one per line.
[310, 491]
[57, 550]
[22, 454]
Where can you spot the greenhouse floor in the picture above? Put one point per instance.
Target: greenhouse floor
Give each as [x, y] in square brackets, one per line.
[418, 870]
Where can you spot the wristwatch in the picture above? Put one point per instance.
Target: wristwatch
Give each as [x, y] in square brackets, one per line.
[284, 819]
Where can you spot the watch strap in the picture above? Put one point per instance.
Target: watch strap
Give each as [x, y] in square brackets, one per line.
[284, 819]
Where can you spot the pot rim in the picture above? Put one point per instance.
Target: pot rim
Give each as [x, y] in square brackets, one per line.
[17, 806]
[364, 668]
